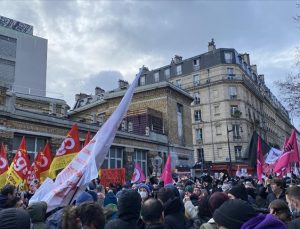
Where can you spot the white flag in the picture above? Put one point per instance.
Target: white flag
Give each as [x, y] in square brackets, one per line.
[273, 155]
[85, 166]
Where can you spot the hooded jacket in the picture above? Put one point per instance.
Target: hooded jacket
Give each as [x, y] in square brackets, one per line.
[37, 212]
[14, 218]
[174, 214]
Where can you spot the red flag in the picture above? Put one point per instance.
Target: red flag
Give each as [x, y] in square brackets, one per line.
[32, 179]
[166, 175]
[87, 138]
[138, 176]
[290, 153]
[19, 167]
[260, 160]
[43, 162]
[3, 166]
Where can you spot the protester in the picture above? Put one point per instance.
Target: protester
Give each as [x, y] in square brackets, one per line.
[129, 206]
[37, 212]
[110, 206]
[71, 218]
[144, 191]
[276, 191]
[281, 210]
[238, 192]
[91, 215]
[7, 196]
[14, 218]
[293, 198]
[152, 214]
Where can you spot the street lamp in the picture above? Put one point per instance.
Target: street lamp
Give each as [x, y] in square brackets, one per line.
[229, 152]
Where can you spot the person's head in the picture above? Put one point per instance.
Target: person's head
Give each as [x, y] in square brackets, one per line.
[37, 211]
[129, 205]
[9, 191]
[164, 194]
[293, 197]
[71, 218]
[232, 214]
[91, 216]
[152, 211]
[238, 192]
[83, 197]
[280, 209]
[14, 218]
[276, 184]
[197, 191]
[110, 198]
[144, 191]
[216, 200]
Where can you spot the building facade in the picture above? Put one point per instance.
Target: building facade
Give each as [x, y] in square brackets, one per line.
[231, 100]
[23, 58]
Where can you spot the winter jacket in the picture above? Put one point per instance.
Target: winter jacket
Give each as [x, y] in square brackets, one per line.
[191, 211]
[211, 224]
[294, 224]
[3, 201]
[37, 212]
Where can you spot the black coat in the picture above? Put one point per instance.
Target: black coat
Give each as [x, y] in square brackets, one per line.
[174, 214]
[295, 224]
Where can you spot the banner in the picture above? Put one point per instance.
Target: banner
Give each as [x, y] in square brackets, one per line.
[138, 176]
[85, 166]
[66, 152]
[19, 167]
[3, 166]
[166, 175]
[32, 179]
[43, 162]
[273, 156]
[112, 176]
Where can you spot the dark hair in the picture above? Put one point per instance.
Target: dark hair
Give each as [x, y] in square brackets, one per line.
[293, 191]
[164, 194]
[278, 182]
[8, 189]
[92, 214]
[152, 210]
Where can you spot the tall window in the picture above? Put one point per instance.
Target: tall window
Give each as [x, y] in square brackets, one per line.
[197, 115]
[236, 131]
[142, 80]
[178, 83]
[34, 144]
[167, 73]
[196, 79]
[200, 155]
[140, 156]
[228, 57]
[199, 134]
[196, 98]
[156, 77]
[113, 159]
[196, 64]
[230, 73]
[218, 130]
[232, 92]
[217, 109]
[178, 69]
[233, 109]
[180, 121]
[238, 152]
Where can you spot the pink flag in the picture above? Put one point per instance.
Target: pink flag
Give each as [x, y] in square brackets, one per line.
[138, 175]
[166, 175]
[290, 153]
[260, 160]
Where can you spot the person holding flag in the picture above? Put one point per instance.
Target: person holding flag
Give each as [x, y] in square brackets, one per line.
[66, 152]
[3, 166]
[19, 167]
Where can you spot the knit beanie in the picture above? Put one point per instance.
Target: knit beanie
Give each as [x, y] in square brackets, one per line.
[93, 194]
[233, 213]
[173, 188]
[144, 186]
[110, 198]
[14, 218]
[83, 197]
[264, 221]
[239, 192]
[189, 188]
[216, 200]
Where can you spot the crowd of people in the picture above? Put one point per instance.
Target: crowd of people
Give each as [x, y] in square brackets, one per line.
[202, 203]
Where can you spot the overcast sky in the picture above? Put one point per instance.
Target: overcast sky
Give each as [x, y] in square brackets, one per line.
[95, 43]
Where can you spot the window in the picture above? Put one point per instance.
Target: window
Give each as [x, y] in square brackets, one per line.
[156, 77]
[233, 109]
[218, 130]
[33, 144]
[228, 57]
[167, 73]
[199, 134]
[236, 131]
[179, 121]
[113, 159]
[220, 152]
[197, 115]
[140, 156]
[238, 152]
[130, 126]
[196, 64]
[232, 92]
[142, 80]
[217, 110]
[196, 79]
[178, 69]
[124, 125]
[215, 94]
[230, 73]
[178, 83]
[101, 118]
[200, 155]
[196, 98]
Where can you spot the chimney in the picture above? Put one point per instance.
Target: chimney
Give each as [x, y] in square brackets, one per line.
[99, 91]
[123, 84]
[80, 96]
[246, 58]
[254, 68]
[177, 59]
[211, 45]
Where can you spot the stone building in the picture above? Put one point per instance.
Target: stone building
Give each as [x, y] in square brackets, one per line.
[231, 100]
